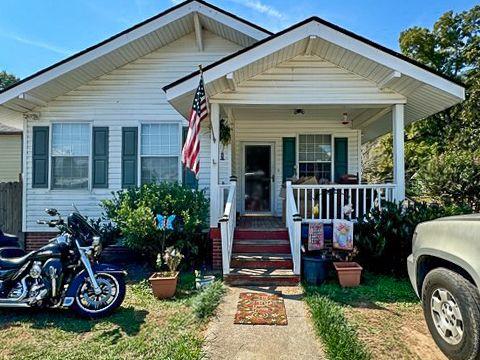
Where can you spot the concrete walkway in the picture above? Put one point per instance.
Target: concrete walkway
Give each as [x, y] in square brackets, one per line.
[297, 340]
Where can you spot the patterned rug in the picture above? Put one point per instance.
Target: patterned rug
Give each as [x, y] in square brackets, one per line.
[260, 309]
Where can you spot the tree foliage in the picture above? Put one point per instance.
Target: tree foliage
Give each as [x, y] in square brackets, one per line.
[7, 80]
[452, 47]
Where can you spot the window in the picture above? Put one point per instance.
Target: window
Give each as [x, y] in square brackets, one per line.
[160, 152]
[70, 155]
[315, 156]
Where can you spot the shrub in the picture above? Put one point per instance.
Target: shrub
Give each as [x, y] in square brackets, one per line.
[207, 300]
[134, 211]
[453, 177]
[110, 233]
[384, 237]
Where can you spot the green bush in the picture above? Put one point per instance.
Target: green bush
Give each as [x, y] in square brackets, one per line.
[452, 177]
[384, 237]
[134, 211]
[207, 300]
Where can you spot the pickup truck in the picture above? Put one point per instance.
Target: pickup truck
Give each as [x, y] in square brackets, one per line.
[444, 269]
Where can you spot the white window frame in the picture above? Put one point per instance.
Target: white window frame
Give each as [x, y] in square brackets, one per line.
[332, 160]
[139, 145]
[50, 155]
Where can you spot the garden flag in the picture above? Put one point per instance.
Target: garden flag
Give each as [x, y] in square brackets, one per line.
[315, 236]
[199, 111]
[342, 234]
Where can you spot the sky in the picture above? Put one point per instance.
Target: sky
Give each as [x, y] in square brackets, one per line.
[35, 34]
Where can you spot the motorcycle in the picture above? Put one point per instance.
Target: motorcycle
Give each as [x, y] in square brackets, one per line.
[65, 273]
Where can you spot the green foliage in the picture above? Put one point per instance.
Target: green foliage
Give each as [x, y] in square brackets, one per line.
[451, 47]
[452, 177]
[134, 211]
[7, 80]
[339, 337]
[207, 300]
[384, 237]
[109, 232]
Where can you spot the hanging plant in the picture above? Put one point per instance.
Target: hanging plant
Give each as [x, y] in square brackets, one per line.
[225, 132]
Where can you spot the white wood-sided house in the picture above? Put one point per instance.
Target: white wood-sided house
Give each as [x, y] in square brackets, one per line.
[300, 103]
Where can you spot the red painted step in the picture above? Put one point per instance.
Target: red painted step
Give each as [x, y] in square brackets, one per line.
[281, 234]
[261, 260]
[278, 277]
[272, 246]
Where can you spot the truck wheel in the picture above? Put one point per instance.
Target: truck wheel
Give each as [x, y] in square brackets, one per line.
[451, 309]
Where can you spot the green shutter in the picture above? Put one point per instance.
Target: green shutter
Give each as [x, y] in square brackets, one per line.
[100, 157]
[129, 156]
[340, 157]
[289, 162]
[40, 157]
[188, 177]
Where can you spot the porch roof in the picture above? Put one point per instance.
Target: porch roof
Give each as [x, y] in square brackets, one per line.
[424, 91]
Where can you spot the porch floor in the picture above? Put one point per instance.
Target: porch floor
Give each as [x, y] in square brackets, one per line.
[260, 222]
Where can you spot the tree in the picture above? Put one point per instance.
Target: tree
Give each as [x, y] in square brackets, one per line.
[7, 80]
[451, 47]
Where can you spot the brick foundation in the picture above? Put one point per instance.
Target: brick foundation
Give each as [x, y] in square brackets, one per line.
[35, 240]
[216, 248]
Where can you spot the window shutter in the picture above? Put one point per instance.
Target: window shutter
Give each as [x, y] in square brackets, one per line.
[40, 157]
[289, 161]
[100, 157]
[129, 156]
[340, 158]
[189, 179]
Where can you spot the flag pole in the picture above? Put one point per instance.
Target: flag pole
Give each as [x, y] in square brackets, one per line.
[200, 68]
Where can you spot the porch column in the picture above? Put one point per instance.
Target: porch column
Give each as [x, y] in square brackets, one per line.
[398, 129]
[214, 151]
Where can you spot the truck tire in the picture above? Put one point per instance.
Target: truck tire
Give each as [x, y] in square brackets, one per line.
[451, 310]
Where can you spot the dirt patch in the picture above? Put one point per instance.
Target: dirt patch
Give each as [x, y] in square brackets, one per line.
[394, 331]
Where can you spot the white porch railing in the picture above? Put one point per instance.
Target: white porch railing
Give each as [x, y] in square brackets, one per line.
[326, 202]
[223, 190]
[227, 224]
[294, 225]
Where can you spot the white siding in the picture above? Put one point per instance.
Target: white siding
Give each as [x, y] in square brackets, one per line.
[10, 157]
[125, 97]
[271, 125]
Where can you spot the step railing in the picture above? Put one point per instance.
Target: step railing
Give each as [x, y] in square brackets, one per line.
[294, 225]
[325, 203]
[227, 225]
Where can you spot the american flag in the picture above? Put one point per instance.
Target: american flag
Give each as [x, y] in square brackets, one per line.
[191, 148]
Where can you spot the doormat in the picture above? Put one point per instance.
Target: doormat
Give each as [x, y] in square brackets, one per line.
[260, 309]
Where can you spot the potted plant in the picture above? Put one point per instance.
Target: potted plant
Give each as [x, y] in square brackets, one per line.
[349, 272]
[164, 283]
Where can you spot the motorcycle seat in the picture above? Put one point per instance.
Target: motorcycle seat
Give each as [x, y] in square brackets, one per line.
[13, 262]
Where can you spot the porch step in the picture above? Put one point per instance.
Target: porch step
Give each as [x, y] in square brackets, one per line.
[261, 260]
[245, 234]
[255, 246]
[245, 276]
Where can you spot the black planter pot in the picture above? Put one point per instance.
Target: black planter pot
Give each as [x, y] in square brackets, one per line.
[314, 270]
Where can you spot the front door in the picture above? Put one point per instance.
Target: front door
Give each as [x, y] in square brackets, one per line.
[258, 178]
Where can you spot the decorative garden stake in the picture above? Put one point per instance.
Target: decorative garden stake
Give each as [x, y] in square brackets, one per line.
[164, 283]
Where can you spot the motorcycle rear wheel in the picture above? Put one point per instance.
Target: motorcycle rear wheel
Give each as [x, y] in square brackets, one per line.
[90, 305]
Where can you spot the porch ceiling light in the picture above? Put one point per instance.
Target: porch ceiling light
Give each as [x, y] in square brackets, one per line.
[345, 120]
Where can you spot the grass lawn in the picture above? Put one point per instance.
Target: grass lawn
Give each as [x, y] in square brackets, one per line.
[381, 319]
[143, 328]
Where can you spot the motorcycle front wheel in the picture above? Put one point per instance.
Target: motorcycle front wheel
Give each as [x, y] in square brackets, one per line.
[90, 305]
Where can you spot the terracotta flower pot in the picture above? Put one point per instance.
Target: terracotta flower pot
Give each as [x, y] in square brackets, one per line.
[349, 273]
[163, 286]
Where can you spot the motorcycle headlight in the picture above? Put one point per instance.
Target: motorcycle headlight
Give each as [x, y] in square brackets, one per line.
[97, 245]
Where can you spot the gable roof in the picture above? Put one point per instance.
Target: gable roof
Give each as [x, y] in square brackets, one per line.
[424, 90]
[329, 25]
[146, 35]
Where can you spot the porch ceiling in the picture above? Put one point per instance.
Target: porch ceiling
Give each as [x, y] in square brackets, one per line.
[424, 92]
